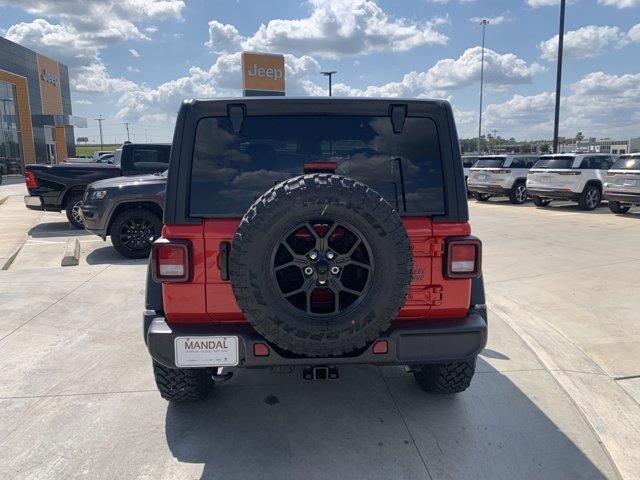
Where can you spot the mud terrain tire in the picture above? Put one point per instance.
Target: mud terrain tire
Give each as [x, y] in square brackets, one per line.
[445, 378]
[331, 198]
[182, 384]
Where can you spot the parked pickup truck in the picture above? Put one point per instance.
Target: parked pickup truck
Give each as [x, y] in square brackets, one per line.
[61, 187]
[127, 208]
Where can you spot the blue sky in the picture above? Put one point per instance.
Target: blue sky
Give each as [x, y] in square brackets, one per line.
[136, 60]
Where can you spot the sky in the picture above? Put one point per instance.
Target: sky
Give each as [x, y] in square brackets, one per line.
[137, 60]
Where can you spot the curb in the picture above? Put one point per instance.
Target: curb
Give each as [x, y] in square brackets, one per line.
[71, 253]
[612, 414]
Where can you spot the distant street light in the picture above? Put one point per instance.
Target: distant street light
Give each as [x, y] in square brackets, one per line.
[484, 24]
[329, 74]
[556, 120]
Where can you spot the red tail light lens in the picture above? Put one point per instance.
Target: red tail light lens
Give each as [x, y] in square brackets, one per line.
[30, 179]
[569, 173]
[464, 258]
[501, 171]
[171, 262]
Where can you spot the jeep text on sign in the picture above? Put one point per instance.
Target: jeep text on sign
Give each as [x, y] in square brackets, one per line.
[263, 72]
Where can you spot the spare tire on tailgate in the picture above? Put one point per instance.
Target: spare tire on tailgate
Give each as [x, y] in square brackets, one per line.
[320, 265]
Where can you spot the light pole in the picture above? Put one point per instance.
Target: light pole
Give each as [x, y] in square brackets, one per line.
[556, 119]
[484, 24]
[100, 120]
[329, 74]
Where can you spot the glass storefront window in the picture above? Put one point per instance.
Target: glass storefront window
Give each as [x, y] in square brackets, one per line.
[11, 159]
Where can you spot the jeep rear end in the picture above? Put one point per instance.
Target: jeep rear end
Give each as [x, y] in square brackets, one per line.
[315, 232]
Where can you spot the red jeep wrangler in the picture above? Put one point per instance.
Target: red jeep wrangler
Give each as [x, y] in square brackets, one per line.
[314, 233]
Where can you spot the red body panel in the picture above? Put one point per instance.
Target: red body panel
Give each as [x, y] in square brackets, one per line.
[207, 298]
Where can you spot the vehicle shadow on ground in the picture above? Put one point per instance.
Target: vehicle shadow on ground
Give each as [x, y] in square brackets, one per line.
[375, 423]
[56, 229]
[559, 206]
[109, 256]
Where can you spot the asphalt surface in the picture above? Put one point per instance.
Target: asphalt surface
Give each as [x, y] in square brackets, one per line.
[77, 397]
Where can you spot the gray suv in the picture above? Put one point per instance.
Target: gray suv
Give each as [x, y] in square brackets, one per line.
[129, 209]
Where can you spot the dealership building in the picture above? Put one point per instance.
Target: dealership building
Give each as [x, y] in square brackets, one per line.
[36, 122]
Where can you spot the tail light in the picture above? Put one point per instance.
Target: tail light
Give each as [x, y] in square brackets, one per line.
[171, 261]
[30, 179]
[463, 258]
[569, 173]
[501, 171]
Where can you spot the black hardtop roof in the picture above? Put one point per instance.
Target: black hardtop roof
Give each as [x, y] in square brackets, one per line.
[282, 105]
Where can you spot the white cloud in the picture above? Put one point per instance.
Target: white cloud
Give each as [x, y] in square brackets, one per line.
[133, 69]
[620, 3]
[542, 3]
[83, 102]
[84, 28]
[634, 33]
[586, 42]
[497, 20]
[599, 104]
[334, 28]
[223, 38]
[134, 53]
[223, 78]
[151, 29]
[94, 78]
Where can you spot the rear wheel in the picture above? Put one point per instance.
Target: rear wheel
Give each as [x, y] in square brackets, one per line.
[518, 193]
[134, 231]
[540, 202]
[481, 197]
[590, 198]
[445, 378]
[617, 207]
[73, 210]
[182, 384]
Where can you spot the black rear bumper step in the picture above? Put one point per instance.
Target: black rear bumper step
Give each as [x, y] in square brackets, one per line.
[409, 342]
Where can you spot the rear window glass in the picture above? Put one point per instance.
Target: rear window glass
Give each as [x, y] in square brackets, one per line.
[627, 163]
[495, 162]
[231, 170]
[150, 158]
[557, 162]
[468, 162]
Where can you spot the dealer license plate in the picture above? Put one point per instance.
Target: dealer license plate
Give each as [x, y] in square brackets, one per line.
[206, 351]
[630, 183]
[482, 177]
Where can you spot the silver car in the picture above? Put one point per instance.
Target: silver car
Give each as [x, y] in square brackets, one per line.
[622, 183]
[501, 175]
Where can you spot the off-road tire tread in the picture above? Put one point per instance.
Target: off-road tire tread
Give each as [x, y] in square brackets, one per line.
[183, 384]
[481, 197]
[445, 378]
[360, 199]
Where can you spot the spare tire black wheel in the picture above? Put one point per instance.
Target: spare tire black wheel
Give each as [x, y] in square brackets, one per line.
[320, 265]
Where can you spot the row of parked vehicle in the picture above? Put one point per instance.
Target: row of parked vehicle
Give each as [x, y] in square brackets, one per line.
[584, 178]
[122, 197]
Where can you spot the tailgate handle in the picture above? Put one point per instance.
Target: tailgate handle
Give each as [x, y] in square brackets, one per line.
[225, 250]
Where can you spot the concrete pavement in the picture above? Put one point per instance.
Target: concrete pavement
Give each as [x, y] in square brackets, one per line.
[16, 221]
[77, 397]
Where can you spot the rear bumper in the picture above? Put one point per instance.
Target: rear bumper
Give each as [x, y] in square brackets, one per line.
[33, 202]
[409, 342]
[553, 194]
[492, 189]
[629, 198]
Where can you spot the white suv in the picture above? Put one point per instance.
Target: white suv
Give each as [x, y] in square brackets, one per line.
[622, 183]
[501, 175]
[468, 161]
[569, 176]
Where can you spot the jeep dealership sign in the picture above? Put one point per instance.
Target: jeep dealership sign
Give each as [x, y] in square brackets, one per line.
[262, 74]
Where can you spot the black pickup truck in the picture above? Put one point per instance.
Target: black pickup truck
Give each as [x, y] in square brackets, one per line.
[61, 187]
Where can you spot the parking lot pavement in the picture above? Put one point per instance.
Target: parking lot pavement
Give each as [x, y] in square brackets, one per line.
[15, 221]
[77, 397]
